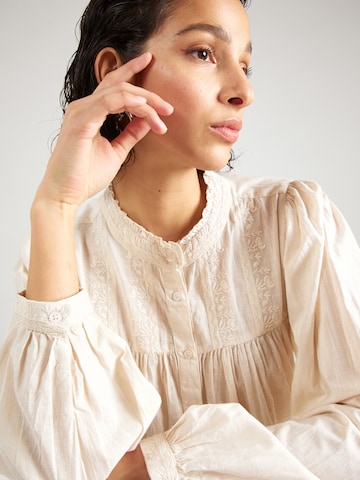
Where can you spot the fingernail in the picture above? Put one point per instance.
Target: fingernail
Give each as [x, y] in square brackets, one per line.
[163, 127]
[171, 108]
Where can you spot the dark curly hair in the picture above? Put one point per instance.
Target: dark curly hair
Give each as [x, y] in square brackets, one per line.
[124, 25]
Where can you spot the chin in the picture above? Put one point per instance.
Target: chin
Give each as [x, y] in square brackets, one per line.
[216, 164]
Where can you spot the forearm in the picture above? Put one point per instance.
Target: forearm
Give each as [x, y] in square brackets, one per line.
[211, 441]
[326, 443]
[52, 270]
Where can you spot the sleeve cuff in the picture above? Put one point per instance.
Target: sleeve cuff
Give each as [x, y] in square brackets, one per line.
[51, 318]
[159, 458]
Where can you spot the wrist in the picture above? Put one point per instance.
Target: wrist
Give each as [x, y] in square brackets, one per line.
[52, 274]
[44, 208]
[131, 467]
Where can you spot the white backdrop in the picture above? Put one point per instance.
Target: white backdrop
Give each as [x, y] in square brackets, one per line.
[303, 124]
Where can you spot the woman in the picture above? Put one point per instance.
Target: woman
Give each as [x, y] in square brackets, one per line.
[184, 323]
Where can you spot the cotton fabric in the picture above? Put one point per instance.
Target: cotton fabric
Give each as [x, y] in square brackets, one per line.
[248, 329]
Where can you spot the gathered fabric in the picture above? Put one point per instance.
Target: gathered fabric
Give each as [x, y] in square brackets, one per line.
[233, 353]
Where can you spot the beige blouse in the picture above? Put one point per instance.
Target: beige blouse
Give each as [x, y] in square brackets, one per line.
[248, 329]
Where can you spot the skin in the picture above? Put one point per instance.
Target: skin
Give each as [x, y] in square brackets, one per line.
[198, 83]
[176, 82]
[199, 90]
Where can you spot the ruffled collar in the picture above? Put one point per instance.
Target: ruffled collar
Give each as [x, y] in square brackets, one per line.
[146, 246]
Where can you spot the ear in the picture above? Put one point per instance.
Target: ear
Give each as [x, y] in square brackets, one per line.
[106, 61]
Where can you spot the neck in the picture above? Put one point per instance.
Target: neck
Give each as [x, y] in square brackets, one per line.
[166, 204]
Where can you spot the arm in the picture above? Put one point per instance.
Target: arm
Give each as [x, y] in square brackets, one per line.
[322, 275]
[321, 438]
[82, 164]
[131, 467]
[220, 441]
[72, 400]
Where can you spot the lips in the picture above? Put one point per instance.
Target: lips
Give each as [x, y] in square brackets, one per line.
[228, 129]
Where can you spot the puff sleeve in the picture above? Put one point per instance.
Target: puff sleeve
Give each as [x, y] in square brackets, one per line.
[72, 399]
[321, 438]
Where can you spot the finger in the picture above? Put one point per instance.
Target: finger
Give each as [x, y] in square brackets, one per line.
[88, 114]
[139, 109]
[148, 108]
[127, 89]
[126, 72]
[120, 78]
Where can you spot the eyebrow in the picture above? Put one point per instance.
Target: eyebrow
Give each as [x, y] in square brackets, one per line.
[216, 30]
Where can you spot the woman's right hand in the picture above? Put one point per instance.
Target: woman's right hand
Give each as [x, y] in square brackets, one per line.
[84, 162]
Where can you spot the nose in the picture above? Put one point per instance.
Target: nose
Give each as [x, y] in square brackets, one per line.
[237, 89]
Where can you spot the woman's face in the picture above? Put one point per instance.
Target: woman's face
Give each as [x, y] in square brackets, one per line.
[201, 56]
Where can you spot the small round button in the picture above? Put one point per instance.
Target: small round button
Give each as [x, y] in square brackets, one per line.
[188, 354]
[55, 317]
[177, 297]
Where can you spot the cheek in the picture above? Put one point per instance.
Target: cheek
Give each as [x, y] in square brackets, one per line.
[175, 87]
[183, 96]
[191, 105]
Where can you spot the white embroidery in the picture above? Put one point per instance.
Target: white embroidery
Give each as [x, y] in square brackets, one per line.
[44, 318]
[144, 320]
[257, 272]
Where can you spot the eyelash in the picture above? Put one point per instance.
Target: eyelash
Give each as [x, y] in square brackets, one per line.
[248, 71]
[210, 52]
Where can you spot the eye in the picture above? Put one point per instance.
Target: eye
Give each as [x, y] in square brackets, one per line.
[248, 71]
[204, 54]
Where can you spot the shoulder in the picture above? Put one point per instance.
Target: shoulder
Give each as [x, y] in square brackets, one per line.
[279, 200]
[243, 186]
[304, 195]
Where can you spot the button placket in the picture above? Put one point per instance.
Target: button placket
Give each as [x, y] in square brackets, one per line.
[180, 320]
